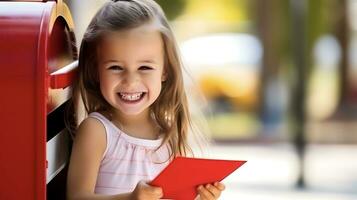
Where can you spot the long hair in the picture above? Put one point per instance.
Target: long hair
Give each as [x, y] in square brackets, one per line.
[170, 110]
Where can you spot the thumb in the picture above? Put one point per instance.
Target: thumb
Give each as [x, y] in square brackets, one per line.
[154, 189]
[157, 191]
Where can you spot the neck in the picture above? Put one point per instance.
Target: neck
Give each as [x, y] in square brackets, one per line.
[141, 125]
[133, 120]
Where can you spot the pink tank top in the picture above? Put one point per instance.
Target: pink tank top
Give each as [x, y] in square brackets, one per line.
[127, 160]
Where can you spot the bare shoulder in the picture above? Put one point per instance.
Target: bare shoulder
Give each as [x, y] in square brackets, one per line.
[91, 134]
[90, 137]
[89, 124]
[88, 147]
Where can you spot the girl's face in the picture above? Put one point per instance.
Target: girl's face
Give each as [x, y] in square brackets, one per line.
[131, 69]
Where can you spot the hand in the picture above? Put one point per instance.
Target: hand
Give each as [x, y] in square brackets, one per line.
[144, 191]
[210, 192]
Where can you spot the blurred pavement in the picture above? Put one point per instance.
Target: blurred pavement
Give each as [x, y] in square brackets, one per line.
[272, 170]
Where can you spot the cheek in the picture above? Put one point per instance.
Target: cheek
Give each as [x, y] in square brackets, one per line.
[106, 83]
[159, 86]
[157, 81]
[154, 83]
[103, 88]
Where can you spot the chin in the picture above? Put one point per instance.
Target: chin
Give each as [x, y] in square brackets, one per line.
[132, 112]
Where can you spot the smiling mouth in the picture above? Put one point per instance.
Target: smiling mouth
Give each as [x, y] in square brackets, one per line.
[131, 97]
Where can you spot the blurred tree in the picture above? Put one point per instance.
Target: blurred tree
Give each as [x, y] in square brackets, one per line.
[272, 24]
[300, 63]
[172, 8]
[341, 30]
[310, 20]
[329, 17]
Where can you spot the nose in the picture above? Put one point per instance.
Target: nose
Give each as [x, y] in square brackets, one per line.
[130, 79]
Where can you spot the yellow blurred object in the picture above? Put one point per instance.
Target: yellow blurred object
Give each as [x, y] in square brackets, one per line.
[239, 87]
[222, 10]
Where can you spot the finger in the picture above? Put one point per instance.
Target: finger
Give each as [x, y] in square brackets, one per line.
[220, 186]
[142, 184]
[157, 191]
[205, 194]
[214, 190]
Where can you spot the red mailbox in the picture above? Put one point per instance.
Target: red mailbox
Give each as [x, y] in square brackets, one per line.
[38, 61]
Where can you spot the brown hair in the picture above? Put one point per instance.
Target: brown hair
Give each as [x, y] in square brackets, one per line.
[170, 110]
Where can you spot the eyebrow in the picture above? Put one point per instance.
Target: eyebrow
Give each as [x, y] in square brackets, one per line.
[109, 61]
[140, 61]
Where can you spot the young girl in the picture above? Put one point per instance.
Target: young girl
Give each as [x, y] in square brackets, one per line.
[130, 81]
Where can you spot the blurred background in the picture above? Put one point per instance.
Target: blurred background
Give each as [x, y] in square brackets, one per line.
[279, 79]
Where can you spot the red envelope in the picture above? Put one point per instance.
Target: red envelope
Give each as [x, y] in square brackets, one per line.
[180, 179]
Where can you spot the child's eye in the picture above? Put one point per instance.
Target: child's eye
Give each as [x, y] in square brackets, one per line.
[145, 68]
[115, 67]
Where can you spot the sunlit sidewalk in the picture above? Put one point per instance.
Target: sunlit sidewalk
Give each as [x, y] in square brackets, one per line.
[246, 193]
[272, 170]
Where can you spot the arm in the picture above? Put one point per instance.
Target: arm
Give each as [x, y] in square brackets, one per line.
[88, 148]
[100, 197]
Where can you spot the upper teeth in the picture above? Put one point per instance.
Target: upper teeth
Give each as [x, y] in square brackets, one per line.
[131, 96]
